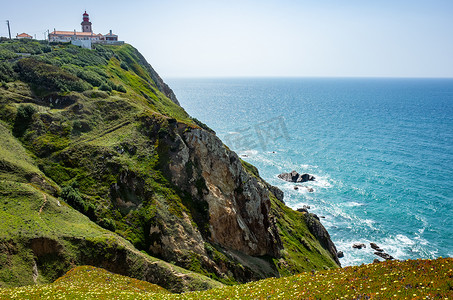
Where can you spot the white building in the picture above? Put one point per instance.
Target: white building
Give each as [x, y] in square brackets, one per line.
[84, 38]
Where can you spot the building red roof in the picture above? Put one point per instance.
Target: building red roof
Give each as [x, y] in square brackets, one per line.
[23, 35]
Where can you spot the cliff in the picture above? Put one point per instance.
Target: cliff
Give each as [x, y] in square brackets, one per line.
[103, 167]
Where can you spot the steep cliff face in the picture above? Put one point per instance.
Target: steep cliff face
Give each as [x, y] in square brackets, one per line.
[238, 206]
[114, 144]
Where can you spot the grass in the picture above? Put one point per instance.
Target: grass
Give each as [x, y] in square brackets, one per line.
[31, 215]
[303, 251]
[88, 283]
[412, 279]
[73, 127]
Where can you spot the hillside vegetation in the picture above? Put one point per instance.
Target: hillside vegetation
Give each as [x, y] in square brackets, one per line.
[413, 279]
[101, 166]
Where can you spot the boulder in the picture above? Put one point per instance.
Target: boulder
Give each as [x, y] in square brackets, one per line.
[384, 255]
[340, 254]
[358, 246]
[296, 177]
[376, 247]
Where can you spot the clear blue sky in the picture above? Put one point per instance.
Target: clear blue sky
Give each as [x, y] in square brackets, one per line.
[399, 38]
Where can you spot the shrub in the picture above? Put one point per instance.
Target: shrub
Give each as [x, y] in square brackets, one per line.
[107, 224]
[7, 73]
[23, 119]
[49, 77]
[120, 88]
[91, 77]
[105, 87]
[71, 195]
[7, 54]
[124, 66]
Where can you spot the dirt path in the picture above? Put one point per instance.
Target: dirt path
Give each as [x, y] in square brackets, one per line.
[45, 201]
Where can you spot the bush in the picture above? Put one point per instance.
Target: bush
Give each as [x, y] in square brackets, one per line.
[120, 88]
[105, 87]
[124, 66]
[7, 73]
[23, 119]
[49, 77]
[91, 77]
[108, 224]
[71, 195]
[7, 54]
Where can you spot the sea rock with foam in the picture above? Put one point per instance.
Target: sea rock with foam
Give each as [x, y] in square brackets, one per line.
[296, 177]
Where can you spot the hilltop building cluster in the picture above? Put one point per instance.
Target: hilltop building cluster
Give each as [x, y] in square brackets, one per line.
[86, 38]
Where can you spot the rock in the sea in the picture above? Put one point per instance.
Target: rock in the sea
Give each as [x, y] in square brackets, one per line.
[340, 254]
[296, 187]
[358, 246]
[384, 255]
[376, 247]
[309, 189]
[296, 177]
[303, 209]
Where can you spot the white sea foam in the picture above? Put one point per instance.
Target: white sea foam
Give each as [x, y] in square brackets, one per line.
[352, 204]
[247, 153]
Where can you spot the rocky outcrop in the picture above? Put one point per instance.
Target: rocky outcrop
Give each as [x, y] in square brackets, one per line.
[160, 84]
[278, 193]
[384, 255]
[376, 247]
[238, 205]
[320, 232]
[296, 177]
[358, 246]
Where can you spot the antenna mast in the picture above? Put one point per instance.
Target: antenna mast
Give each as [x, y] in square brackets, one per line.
[9, 29]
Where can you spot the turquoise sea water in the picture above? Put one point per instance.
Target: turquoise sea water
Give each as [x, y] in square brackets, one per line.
[381, 150]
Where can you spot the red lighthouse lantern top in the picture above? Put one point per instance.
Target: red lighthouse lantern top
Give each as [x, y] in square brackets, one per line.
[86, 17]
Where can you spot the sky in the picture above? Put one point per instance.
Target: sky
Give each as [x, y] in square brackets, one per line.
[265, 38]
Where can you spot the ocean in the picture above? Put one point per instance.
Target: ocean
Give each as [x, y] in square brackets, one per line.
[381, 151]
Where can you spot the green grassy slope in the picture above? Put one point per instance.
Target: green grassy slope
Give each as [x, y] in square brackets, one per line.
[413, 279]
[87, 136]
[87, 282]
[42, 237]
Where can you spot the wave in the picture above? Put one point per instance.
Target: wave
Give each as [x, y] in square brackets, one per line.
[353, 204]
[247, 153]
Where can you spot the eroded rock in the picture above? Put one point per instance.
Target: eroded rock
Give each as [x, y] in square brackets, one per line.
[358, 246]
[296, 177]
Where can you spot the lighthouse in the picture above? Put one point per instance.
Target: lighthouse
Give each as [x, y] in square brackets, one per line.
[86, 24]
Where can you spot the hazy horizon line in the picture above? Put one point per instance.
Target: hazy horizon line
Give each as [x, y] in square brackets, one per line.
[307, 77]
